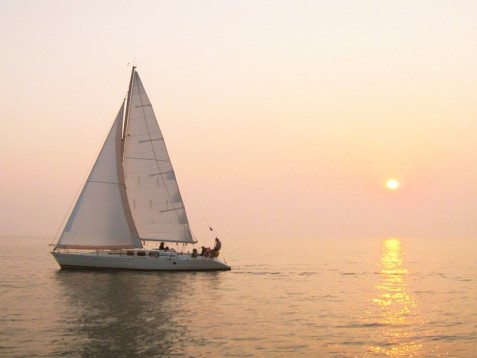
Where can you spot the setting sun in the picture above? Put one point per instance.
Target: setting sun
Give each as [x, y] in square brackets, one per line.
[392, 184]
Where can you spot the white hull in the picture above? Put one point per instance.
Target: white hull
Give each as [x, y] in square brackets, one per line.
[153, 260]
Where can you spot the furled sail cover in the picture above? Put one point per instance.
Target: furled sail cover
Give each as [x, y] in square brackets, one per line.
[154, 197]
[101, 217]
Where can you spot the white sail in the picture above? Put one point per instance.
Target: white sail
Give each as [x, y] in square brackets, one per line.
[101, 216]
[154, 198]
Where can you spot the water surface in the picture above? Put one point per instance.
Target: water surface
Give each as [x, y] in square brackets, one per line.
[331, 298]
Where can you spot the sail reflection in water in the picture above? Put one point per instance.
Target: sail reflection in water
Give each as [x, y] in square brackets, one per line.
[121, 314]
[394, 309]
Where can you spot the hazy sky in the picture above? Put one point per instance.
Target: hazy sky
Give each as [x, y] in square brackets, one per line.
[283, 118]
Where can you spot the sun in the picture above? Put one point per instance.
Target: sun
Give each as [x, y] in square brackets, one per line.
[392, 184]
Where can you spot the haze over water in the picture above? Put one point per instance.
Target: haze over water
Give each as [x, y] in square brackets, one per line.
[284, 118]
[333, 298]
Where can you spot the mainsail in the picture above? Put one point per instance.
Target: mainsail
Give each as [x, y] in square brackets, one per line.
[101, 217]
[153, 193]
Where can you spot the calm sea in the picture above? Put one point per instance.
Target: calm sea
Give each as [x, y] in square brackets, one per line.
[317, 298]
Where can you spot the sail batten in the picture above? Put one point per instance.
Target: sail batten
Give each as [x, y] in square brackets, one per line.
[105, 182]
[150, 140]
[153, 159]
[156, 174]
[164, 211]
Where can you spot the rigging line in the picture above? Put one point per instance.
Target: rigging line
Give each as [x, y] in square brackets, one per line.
[201, 210]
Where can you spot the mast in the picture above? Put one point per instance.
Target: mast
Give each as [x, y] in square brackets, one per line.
[124, 198]
[128, 102]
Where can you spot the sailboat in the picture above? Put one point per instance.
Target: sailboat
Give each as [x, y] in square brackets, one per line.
[131, 202]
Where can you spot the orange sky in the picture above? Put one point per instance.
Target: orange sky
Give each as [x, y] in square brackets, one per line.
[283, 118]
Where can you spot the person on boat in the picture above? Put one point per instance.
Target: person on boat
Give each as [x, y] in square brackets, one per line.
[161, 246]
[205, 251]
[217, 247]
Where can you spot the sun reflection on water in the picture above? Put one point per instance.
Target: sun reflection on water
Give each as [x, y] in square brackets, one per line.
[394, 309]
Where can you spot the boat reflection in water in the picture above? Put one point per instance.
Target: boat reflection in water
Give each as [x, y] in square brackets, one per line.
[122, 314]
[394, 309]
